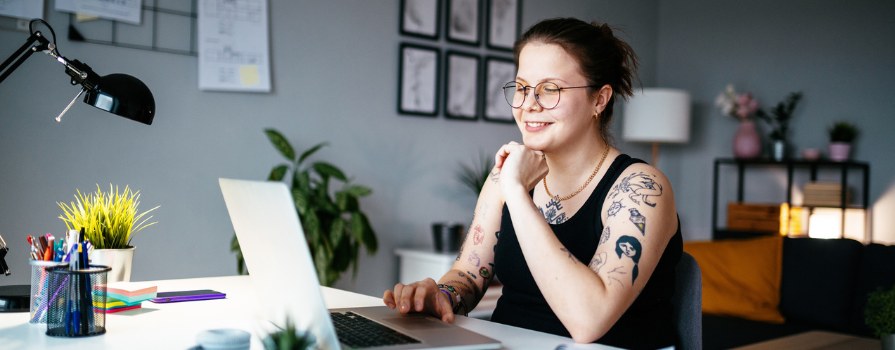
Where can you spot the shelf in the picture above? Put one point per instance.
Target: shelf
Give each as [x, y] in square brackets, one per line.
[790, 166]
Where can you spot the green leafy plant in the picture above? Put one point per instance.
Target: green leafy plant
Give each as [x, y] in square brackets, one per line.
[475, 176]
[109, 219]
[843, 131]
[289, 339]
[879, 314]
[779, 116]
[335, 227]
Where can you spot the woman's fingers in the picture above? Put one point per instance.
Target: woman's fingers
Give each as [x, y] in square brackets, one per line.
[443, 307]
[388, 297]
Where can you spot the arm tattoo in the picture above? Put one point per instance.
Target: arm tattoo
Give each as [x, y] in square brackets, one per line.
[477, 235]
[613, 276]
[639, 220]
[629, 247]
[571, 257]
[604, 236]
[615, 208]
[495, 176]
[597, 262]
[471, 275]
[474, 259]
[638, 187]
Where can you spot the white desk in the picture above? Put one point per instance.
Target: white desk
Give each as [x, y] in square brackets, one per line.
[175, 325]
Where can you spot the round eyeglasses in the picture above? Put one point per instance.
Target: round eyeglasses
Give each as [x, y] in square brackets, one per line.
[546, 93]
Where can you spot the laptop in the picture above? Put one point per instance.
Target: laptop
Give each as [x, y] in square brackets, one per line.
[283, 276]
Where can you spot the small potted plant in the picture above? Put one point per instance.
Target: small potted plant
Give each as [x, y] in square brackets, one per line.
[778, 119]
[879, 315]
[289, 338]
[109, 221]
[842, 134]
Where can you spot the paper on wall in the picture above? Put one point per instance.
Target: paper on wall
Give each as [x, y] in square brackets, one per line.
[26, 9]
[119, 10]
[234, 51]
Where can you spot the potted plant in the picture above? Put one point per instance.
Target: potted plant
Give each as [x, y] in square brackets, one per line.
[109, 221]
[778, 119]
[879, 315]
[842, 134]
[289, 338]
[334, 224]
[474, 177]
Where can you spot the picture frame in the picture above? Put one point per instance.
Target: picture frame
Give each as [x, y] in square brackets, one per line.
[462, 86]
[504, 18]
[464, 22]
[421, 18]
[498, 71]
[418, 80]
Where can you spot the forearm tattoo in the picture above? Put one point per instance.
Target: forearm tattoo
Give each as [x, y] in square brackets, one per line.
[597, 262]
[495, 176]
[604, 236]
[638, 187]
[569, 254]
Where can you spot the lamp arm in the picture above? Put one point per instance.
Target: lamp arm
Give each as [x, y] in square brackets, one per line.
[4, 269]
[22, 54]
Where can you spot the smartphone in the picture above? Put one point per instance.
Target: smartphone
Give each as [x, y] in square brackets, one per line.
[187, 295]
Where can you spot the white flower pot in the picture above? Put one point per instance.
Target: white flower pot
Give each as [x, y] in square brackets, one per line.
[839, 151]
[120, 260]
[888, 342]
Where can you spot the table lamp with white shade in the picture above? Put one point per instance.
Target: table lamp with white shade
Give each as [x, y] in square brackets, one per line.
[657, 115]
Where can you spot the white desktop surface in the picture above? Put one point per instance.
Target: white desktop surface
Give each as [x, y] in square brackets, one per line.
[175, 325]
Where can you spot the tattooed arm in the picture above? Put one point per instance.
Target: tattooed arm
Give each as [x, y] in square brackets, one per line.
[639, 219]
[461, 288]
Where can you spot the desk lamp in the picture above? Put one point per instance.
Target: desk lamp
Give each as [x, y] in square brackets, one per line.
[120, 94]
[657, 115]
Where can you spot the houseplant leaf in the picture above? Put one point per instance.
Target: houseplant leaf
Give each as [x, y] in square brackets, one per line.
[281, 144]
[310, 151]
[278, 172]
[328, 170]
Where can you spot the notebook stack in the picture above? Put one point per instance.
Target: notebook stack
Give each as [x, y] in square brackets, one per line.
[126, 298]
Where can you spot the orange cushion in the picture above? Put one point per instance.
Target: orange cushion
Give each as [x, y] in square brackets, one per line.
[741, 277]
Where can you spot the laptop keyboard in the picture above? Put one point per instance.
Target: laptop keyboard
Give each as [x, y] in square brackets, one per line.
[360, 332]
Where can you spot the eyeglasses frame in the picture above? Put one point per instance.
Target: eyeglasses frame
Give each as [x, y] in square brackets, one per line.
[537, 97]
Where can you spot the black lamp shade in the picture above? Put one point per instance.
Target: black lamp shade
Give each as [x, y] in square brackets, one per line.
[123, 95]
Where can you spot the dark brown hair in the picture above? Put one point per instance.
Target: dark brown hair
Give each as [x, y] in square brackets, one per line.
[603, 58]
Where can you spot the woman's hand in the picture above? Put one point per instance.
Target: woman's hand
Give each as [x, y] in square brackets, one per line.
[519, 166]
[422, 296]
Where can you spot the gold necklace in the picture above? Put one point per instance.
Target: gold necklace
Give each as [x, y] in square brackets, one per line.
[592, 175]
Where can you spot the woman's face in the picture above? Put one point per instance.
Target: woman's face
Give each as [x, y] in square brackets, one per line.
[572, 120]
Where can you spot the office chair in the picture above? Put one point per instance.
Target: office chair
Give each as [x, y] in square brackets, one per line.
[687, 301]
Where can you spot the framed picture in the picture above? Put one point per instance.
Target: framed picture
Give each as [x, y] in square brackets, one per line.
[498, 71]
[421, 18]
[463, 21]
[417, 83]
[504, 17]
[461, 86]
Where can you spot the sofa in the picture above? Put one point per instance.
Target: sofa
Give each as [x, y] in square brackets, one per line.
[823, 286]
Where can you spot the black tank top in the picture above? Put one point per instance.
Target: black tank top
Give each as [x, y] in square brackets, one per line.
[648, 323]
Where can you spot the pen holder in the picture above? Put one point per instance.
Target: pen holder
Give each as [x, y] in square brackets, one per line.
[76, 303]
[39, 286]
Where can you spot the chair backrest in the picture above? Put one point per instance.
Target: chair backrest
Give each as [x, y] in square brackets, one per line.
[687, 301]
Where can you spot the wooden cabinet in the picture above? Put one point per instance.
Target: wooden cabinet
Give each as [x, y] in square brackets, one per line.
[791, 167]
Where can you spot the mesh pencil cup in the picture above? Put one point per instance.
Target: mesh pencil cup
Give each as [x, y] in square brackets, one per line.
[39, 285]
[77, 299]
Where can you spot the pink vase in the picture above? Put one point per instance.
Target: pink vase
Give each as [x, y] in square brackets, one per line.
[746, 142]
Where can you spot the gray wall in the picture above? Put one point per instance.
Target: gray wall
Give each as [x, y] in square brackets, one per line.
[840, 54]
[335, 73]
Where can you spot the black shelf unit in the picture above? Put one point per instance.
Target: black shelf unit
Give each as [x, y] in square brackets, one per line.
[790, 165]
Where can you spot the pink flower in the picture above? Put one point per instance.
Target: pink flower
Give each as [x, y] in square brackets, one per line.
[741, 106]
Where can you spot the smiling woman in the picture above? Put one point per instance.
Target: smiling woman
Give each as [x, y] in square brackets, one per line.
[582, 249]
